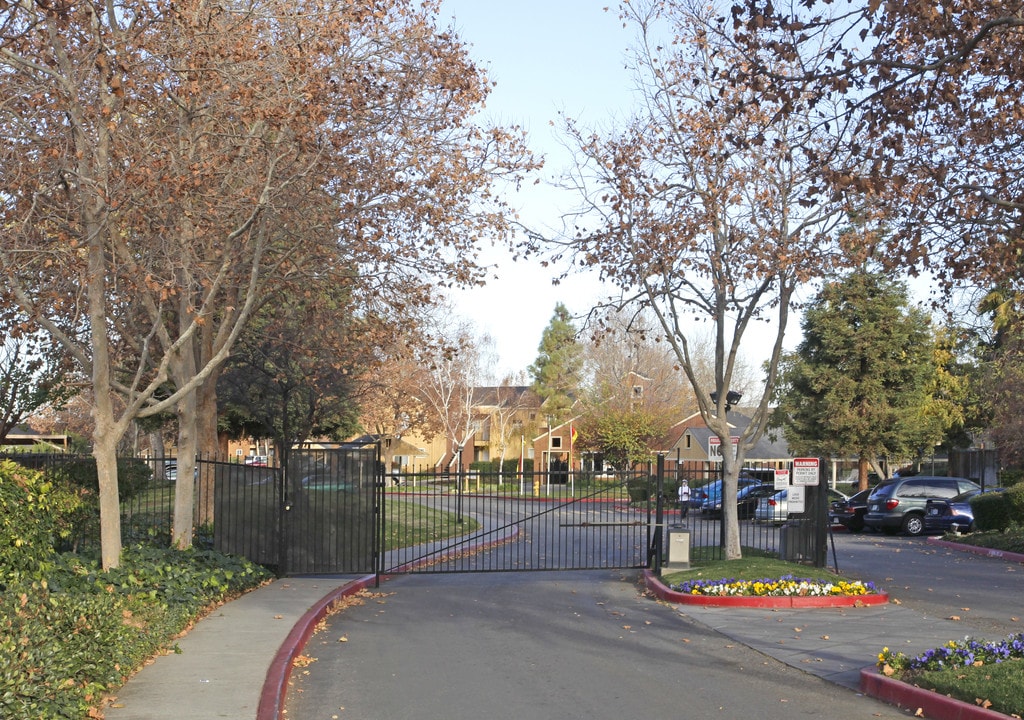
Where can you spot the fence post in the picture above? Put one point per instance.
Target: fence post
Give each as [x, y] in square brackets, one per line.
[659, 516]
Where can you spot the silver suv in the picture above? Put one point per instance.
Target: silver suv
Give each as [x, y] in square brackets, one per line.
[899, 503]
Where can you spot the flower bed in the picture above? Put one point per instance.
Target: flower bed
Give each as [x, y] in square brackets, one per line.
[785, 586]
[783, 592]
[954, 654]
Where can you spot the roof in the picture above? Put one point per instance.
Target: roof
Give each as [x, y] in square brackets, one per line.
[24, 435]
[491, 395]
[771, 445]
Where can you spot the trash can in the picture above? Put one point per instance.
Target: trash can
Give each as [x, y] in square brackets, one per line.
[796, 541]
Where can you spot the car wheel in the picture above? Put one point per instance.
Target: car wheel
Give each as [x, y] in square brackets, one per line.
[855, 526]
[913, 525]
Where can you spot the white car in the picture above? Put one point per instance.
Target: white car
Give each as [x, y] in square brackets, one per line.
[775, 508]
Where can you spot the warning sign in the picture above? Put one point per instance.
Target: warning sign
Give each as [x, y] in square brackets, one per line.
[781, 479]
[805, 471]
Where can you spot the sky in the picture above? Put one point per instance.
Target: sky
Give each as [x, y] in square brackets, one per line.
[546, 57]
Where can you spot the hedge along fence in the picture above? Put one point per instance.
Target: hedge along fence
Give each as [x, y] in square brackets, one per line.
[999, 510]
[70, 632]
[36, 516]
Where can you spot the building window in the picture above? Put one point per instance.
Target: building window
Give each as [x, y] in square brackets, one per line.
[556, 442]
[688, 438]
[638, 391]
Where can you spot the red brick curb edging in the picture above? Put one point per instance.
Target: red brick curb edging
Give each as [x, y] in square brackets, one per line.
[977, 550]
[661, 591]
[276, 683]
[911, 697]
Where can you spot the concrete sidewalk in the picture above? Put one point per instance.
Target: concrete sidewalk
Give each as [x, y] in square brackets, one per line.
[233, 659]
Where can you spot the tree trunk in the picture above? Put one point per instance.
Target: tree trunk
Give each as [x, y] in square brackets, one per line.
[156, 449]
[184, 486]
[105, 453]
[862, 473]
[731, 546]
[207, 443]
[183, 369]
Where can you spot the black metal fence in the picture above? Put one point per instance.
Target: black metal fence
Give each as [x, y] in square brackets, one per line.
[333, 511]
[318, 517]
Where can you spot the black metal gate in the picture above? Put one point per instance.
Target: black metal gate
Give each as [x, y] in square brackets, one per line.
[319, 517]
[478, 522]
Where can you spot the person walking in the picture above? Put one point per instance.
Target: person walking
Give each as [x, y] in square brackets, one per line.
[684, 497]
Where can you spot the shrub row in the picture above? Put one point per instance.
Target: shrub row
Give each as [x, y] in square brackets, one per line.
[999, 510]
[71, 632]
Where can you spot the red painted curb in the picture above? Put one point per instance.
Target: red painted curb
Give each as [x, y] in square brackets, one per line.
[912, 697]
[275, 686]
[977, 550]
[661, 591]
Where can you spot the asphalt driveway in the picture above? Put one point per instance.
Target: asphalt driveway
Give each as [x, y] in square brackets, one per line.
[523, 646]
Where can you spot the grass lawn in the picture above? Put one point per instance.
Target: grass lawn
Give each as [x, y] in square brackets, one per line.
[754, 565]
[998, 687]
[407, 524]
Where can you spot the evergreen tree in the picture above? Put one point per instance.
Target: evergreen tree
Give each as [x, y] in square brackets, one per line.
[556, 371]
[864, 381]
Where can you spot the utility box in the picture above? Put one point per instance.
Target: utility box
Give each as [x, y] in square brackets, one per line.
[678, 549]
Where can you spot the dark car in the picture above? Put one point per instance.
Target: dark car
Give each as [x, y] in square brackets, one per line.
[850, 512]
[709, 497]
[953, 514]
[747, 497]
[899, 503]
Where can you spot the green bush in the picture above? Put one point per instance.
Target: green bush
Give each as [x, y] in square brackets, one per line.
[640, 489]
[1011, 476]
[77, 634]
[1015, 499]
[33, 520]
[133, 475]
[992, 511]
[510, 466]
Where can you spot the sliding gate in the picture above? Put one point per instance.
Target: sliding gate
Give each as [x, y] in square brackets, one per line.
[475, 523]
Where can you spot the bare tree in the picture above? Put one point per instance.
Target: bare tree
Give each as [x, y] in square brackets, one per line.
[509, 415]
[921, 99]
[30, 379]
[169, 163]
[693, 212]
[452, 377]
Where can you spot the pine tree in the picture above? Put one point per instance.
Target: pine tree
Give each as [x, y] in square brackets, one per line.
[862, 380]
[556, 371]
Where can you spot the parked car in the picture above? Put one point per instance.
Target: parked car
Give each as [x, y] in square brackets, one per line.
[953, 514]
[709, 497]
[775, 508]
[171, 471]
[850, 512]
[746, 500]
[898, 504]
